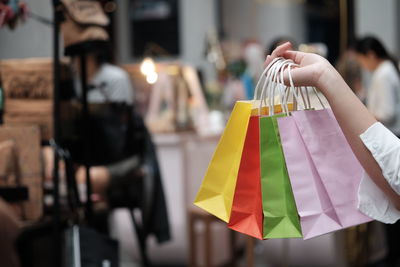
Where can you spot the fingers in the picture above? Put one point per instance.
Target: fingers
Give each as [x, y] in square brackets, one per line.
[281, 49]
[278, 52]
[267, 61]
[300, 77]
[285, 51]
[296, 56]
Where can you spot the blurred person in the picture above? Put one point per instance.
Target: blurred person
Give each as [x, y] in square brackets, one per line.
[383, 94]
[253, 57]
[108, 84]
[350, 69]
[234, 87]
[110, 97]
[124, 168]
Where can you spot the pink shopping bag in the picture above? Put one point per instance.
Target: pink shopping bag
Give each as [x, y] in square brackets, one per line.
[324, 173]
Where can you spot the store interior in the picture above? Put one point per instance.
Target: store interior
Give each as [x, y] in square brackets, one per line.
[178, 67]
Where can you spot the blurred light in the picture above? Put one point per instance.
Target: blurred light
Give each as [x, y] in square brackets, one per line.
[152, 77]
[147, 66]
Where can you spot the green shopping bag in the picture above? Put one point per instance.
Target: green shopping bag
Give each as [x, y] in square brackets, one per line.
[279, 208]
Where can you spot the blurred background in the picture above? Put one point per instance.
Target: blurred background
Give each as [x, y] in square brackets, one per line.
[180, 65]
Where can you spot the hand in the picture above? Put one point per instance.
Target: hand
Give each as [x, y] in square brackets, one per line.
[313, 69]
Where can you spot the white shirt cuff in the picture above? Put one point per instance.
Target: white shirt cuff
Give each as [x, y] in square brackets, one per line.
[385, 148]
[374, 203]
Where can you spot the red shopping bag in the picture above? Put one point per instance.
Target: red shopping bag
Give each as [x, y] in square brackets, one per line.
[246, 215]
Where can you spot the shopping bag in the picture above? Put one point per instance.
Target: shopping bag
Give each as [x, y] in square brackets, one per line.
[317, 214]
[246, 215]
[279, 209]
[216, 192]
[336, 174]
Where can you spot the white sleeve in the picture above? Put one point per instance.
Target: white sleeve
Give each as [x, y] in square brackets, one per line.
[385, 148]
[120, 88]
[374, 203]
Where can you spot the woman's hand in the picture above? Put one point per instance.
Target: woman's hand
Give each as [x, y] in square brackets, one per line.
[313, 69]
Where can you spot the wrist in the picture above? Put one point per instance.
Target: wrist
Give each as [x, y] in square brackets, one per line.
[329, 81]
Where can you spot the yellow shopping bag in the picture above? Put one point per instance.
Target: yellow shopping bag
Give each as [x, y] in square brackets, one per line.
[216, 192]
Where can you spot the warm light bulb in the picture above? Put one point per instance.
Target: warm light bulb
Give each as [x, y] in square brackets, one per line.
[152, 77]
[147, 66]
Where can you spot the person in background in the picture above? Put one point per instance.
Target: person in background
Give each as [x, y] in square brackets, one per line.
[237, 84]
[109, 91]
[252, 56]
[108, 84]
[350, 69]
[124, 167]
[383, 94]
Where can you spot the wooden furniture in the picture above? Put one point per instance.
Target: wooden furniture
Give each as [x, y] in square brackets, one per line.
[28, 155]
[28, 92]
